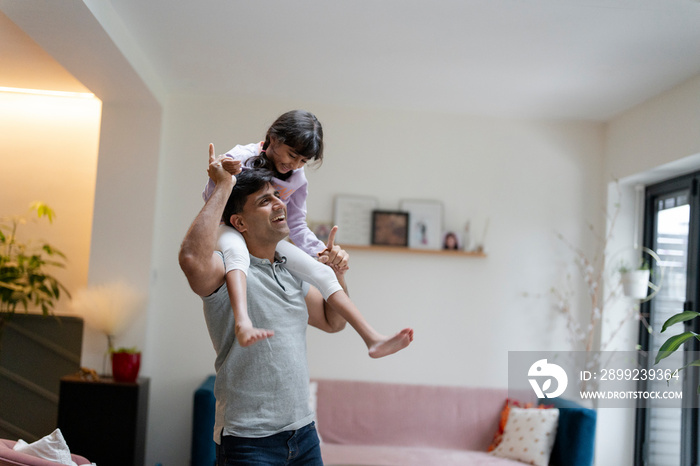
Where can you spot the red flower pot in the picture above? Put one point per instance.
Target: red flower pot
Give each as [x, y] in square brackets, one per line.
[125, 366]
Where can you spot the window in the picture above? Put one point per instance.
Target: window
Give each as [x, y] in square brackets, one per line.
[669, 436]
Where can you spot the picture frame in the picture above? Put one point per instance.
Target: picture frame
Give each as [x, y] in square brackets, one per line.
[322, 230]
[390, 228]
[452, 241]
[425, 223]
[353, 215]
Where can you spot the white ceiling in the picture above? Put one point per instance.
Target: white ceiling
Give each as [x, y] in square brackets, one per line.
[26, 65]
[578, 59]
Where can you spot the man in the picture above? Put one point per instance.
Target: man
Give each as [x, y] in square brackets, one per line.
[262, 410]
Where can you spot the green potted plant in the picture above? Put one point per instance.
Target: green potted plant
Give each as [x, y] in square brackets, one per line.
[676, 341]
[26, 279]
[635, 282]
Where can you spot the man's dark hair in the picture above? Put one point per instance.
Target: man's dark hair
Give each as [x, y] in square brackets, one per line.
[248, 182]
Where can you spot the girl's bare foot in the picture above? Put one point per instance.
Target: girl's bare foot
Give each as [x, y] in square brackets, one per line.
[391, 345]
[247, 334]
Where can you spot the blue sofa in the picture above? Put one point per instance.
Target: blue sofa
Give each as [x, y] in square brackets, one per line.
[575, 441]
[203, 446]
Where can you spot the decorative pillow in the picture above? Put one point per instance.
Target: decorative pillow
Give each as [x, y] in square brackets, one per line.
[52, 447]
[504, 418]
[529, 436]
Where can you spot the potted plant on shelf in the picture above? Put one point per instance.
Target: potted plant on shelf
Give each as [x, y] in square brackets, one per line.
[26, 280]
[126, 363]
[635, 282]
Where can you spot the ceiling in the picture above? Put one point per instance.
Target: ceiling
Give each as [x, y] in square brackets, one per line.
[26, 65]
[564, 59]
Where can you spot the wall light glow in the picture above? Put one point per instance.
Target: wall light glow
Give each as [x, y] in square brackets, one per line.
[73, 95]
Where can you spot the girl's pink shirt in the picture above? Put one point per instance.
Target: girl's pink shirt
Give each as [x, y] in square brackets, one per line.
[293, 192]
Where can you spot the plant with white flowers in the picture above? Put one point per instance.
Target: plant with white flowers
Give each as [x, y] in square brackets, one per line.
[108, 308]
[600, 293]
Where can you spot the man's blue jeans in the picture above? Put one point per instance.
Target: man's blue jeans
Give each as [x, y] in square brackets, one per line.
[296, 447]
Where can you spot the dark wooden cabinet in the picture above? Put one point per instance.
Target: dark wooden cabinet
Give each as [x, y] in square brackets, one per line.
[35, 352]
[105, 421]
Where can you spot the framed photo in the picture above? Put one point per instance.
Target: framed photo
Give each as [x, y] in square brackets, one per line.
[425, 227]
[353, 215]
[321, 229]
[389, 228]
[452, 241]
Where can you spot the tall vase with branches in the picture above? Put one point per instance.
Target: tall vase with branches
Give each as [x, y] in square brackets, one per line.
[585, 334]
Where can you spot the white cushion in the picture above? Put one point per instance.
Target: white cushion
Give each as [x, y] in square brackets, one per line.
[529, 436]
[52, 447]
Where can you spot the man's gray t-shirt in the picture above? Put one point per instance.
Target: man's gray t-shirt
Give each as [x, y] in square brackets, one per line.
[262, 389]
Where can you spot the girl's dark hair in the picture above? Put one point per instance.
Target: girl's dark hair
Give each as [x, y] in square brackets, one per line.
[248, 182]
[298, 129]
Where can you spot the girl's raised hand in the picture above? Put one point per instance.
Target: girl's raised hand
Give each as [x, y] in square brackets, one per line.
[333, 255]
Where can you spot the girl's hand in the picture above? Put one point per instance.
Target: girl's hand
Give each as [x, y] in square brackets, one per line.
[333, 255]
[230, 165]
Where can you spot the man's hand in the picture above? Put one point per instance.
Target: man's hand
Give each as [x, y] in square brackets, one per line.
[216, 170]
[333, 255]
[204, 268]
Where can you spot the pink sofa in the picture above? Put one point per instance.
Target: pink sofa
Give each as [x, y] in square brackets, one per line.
[9, 457]
[368, 423]
[381, 424]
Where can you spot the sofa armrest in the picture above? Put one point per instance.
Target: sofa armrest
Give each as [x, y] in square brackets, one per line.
[575, 441]
[203, 446]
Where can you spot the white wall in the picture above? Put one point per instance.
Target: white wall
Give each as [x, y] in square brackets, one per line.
[530, 178]
[125, 191]
[660, 131]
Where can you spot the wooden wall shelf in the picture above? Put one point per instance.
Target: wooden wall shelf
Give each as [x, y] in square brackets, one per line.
[399, 249]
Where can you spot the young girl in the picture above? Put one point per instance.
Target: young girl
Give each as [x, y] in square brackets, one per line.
[294, 139]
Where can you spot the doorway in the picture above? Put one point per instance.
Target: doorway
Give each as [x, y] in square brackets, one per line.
[668, 436]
